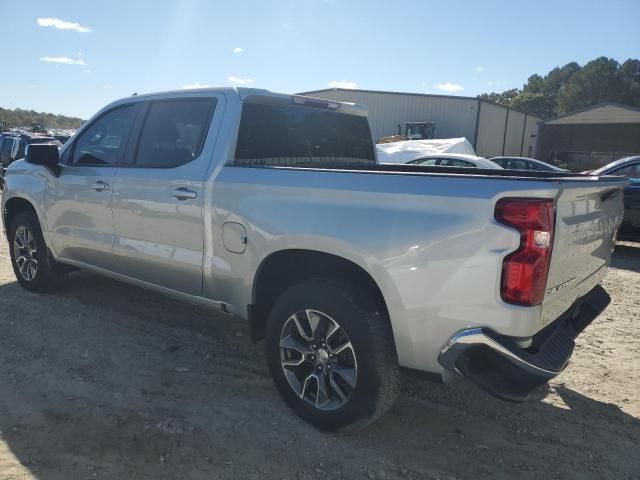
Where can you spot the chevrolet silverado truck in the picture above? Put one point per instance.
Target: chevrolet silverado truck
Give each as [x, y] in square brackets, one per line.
[272, 208]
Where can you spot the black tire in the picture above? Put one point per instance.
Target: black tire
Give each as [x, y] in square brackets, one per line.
[370, 334]
[47, 269]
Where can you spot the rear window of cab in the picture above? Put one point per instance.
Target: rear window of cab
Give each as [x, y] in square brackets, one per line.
[286, 135]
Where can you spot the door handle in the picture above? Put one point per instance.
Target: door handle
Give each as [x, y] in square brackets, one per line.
[100, 186]
[182, 193]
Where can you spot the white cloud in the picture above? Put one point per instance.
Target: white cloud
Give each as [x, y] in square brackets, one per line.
[342, 84]
[423, 83]
[238, 50]
[239, 81]
[449, 87]
[196, 85]
[64, 60]
[87, 71]
[62, 25]
[479, 69]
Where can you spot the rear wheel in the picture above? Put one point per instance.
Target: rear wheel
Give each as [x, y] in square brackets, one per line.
[331, 354]
[32, 264]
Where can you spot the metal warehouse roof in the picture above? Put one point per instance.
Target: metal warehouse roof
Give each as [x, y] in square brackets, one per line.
[436, 95]
[312, 93]
[599, 114]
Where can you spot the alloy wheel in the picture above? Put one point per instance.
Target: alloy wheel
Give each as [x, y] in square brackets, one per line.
[24, 251]
[318, 359]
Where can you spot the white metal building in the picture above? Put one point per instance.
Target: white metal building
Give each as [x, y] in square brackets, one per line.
[492, 129]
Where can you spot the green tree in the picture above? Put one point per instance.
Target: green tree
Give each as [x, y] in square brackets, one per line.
[558, 78]
[572, 87]
[25, 118]
[505, 98]
[535, 84]
[629, 73]
[598, 81]
[537, 104]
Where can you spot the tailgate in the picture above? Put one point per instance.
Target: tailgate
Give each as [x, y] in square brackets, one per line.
[588, 214]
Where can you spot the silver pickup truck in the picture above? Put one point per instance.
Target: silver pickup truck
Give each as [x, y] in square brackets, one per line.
[272, 208]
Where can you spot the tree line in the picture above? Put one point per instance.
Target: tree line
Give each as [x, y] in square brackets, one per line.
[26, 118]
[572, 87]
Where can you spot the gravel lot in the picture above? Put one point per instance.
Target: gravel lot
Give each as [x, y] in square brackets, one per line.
[103, 380]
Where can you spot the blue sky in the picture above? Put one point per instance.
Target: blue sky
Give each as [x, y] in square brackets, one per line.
[457, 47]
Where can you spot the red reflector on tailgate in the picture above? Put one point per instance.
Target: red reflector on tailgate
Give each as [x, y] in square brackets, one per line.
[525, 271]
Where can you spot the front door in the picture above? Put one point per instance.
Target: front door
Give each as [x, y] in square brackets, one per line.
[78, 201]
[158, 198]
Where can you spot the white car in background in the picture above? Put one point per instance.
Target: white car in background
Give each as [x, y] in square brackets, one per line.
[454, 160]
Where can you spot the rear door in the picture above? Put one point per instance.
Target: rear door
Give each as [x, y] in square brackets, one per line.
[588, 214]
[158, 198]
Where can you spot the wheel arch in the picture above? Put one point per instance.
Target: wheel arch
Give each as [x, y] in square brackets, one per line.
[15, 205]
[284, 268]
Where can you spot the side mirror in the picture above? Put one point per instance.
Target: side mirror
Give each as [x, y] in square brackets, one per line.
[44, 154]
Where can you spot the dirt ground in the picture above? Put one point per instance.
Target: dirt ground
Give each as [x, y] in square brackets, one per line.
[103, 380]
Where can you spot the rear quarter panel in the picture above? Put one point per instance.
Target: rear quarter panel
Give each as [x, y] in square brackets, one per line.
[429, 242]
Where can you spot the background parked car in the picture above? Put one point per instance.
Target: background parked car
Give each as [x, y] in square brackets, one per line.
[62, 138]
[8, 149]
[28, 139]
[454, 160]
[629, 167]
[524, 163]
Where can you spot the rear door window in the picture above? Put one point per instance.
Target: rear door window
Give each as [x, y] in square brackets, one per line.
[22, 148]
[516, 164]
[423, 161]
[174, 132]
[288, 134]
[455, 162]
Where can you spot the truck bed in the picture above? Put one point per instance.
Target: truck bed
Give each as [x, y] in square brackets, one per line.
[408, 169]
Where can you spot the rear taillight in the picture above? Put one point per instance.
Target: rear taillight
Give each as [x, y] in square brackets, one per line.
[524, 272]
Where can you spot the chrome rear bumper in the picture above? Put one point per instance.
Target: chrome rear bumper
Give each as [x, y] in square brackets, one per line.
[498, 365]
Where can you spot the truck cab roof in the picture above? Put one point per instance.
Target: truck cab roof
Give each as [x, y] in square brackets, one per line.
[242, 93]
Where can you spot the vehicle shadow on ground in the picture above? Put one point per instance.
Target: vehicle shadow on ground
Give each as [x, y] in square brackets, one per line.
[626, 256]
[112, 381]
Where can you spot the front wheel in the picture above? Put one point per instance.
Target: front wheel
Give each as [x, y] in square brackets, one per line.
[331, 354]
[32, 264]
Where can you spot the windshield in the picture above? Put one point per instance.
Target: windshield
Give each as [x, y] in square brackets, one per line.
[612, 166]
